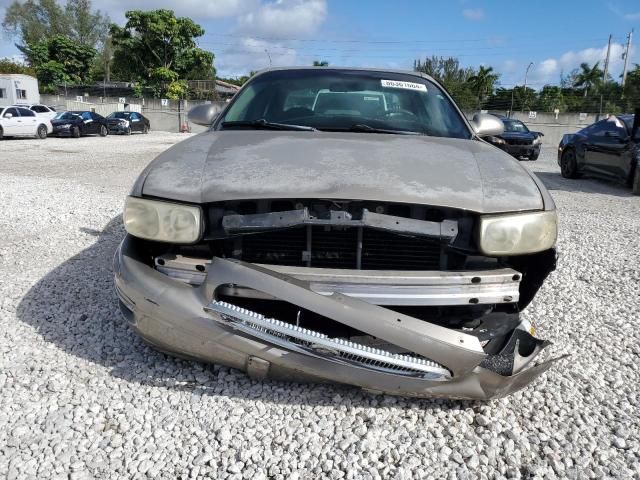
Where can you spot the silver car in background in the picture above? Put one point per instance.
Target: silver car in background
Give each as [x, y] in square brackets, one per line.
[342, 225]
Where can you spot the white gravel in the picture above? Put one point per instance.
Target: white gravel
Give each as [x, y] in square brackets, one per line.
[82, 397]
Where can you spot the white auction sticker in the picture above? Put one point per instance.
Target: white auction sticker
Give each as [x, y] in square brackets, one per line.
[405, 85]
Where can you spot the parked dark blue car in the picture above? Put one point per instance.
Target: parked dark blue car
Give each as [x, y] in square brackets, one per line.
[517, 139]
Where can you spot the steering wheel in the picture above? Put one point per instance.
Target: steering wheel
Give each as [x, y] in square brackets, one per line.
[400, 113]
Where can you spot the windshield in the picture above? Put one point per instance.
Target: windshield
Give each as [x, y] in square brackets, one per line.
[65, 116]
[124, 115]
[333, 100]
[515, 126]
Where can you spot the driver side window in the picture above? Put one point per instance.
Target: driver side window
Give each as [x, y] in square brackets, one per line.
[606, 128]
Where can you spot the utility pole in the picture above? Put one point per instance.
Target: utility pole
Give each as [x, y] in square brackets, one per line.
[606, 61]
[525, 85]
[626, 59]
[605, 73]
[511, 109]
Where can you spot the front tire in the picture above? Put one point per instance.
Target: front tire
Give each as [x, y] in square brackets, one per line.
[103, 131]
[127, 131]
[75, 132]
[534, 156]
[145, 130]
[41, 133]
[568, 164]
[1, 133]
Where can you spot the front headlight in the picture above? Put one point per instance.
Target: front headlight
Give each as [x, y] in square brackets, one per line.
[495, 140]
[537, 140]
[517, 234]
[162, 221]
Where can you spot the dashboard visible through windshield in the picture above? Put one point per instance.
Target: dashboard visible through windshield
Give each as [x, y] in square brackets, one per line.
[345, 100]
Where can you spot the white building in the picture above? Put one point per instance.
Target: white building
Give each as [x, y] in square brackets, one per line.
[16, 88]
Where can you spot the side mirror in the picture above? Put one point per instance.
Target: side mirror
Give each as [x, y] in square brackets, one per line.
[8, 115]
[204, 114]
[486, 124]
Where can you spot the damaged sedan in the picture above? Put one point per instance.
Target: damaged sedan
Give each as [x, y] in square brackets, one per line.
[342, 225]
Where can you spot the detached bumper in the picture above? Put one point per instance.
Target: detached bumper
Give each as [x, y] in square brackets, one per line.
[117, 128]
[187, 320]
[522, 150]
[61, 132]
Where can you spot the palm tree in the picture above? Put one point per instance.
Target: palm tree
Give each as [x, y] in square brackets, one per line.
[482, 83]
[588, 77]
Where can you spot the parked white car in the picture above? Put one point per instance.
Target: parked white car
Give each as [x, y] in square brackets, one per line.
[22, 122]
[40, 110]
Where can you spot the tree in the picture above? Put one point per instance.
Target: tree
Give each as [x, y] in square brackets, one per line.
[631, 98]
[320, 63]
[10, 66]
[451, 75]
[60, 59]
[588, 77]
[516, 98]
[157, 49]
[482, 83]
[549, 99]
[40, 26]
[86, 26]
[36, 21]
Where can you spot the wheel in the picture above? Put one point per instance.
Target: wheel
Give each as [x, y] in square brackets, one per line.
[1, 133]
[145, 130]
[568, 165]
[127, 131]
[75, 132]
[41, 133]
[103, 131]
[635, 186]
[534, 156]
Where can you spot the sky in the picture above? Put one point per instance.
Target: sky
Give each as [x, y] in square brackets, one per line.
[556, 36]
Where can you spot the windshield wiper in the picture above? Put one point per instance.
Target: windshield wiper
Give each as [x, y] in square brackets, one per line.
[363, 127]
[262, 123]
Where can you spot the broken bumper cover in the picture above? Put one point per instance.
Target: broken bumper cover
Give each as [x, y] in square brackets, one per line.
[188, 321]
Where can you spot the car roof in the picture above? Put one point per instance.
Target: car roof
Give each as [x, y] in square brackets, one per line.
[347, 69]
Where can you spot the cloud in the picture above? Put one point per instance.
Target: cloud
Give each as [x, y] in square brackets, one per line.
[473, 14]
[254, 54]
[197, 9]
[549, 69]
[631, 16]
[270, 34]
[284, 18]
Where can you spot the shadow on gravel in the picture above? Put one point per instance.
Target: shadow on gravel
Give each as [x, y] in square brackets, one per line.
[75, 308]
[555, 181]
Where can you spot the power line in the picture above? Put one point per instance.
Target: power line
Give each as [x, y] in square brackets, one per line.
[404, 41]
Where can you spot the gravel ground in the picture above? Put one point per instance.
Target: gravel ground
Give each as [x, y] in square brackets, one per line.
[82, 397]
